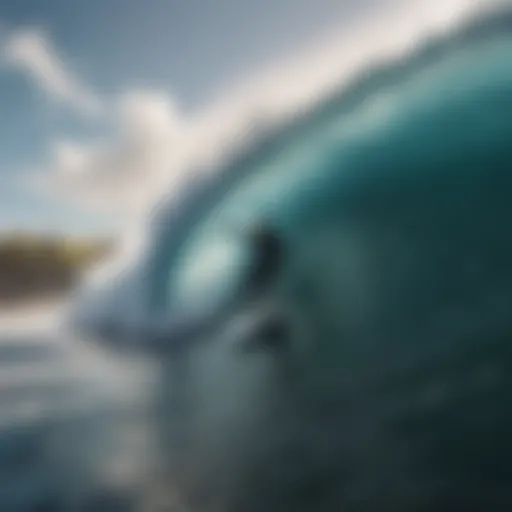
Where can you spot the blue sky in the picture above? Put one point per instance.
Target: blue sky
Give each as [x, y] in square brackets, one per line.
[99, 96]
[190, 48]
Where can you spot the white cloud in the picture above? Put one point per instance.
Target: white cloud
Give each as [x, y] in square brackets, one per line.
[31, 52]
[117, 173]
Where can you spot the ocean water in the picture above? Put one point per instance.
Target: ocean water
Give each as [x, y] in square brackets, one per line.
[446, 97]
[73, 420]
[394, 193]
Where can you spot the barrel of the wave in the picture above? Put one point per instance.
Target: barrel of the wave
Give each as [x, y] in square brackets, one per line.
[394, 390]
[391, 387]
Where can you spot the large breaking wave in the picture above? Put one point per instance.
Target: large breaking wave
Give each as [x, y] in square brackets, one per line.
[455, 76]
[419, 107]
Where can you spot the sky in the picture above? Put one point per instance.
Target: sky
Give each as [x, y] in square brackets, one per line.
[105, 103]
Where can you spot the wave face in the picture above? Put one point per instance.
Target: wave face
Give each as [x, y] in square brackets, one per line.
[386, 384]
[447, 99]
[323, 137]
[390, 383]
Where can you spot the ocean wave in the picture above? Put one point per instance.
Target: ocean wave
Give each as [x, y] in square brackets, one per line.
[443, 108]
[376, 86]
[395, 83]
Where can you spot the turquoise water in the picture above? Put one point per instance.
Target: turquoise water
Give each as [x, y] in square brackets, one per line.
[392, 386]
[451, 108]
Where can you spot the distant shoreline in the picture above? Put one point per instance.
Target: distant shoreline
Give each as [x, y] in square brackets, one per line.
[35, 269]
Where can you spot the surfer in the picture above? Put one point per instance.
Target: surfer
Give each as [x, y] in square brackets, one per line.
[269, 326]
[267, 248]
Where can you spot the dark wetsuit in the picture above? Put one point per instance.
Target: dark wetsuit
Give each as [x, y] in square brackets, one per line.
[267, 259]
[272, 331]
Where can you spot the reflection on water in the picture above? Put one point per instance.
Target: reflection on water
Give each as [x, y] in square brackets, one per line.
[75, 430]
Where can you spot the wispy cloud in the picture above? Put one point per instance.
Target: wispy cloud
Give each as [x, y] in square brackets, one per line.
[30, 51]
[117, 173]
